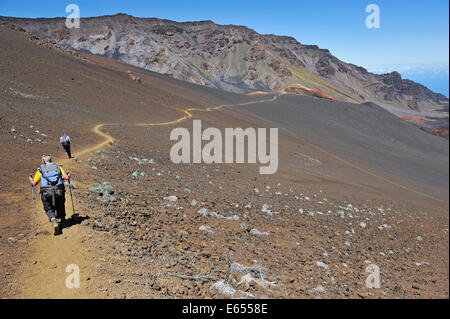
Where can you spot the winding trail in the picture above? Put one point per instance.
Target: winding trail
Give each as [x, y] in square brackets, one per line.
[108, 139]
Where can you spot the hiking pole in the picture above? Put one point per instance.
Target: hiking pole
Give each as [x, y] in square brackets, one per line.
[34, 203]
[71, 197]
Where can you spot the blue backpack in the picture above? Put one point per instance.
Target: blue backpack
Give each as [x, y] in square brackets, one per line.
[50, 175]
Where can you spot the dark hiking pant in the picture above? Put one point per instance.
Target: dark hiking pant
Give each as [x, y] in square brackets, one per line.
[54, 207]
[66, 147]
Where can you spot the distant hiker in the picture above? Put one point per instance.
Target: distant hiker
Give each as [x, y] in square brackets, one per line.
[65, 142]
[51, 176]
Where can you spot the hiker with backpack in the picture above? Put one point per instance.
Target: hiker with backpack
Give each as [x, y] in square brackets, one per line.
[65, 142]
[52, 177]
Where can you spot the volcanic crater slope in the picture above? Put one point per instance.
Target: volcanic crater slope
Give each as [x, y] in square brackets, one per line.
[356, 186]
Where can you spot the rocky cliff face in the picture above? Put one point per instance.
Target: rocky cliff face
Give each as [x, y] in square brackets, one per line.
[232, 58]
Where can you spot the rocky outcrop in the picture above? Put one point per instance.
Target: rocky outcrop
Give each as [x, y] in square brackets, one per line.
[232, 58]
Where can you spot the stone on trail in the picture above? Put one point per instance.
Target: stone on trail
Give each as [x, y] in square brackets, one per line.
[171, 199]
[322, 265]
[384, 226]
[206, 229]
[203, 212]
[255, 231]
[258, 270]
[248, 279]
[363, 224]
[98, 225]
[265, 209]
[319, 289]
[223, 288]
[219, 216]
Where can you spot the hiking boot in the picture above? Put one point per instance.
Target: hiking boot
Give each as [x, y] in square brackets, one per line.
[56, 229]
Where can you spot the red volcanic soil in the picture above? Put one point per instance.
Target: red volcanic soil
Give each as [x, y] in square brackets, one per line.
[323, 95]
[421, 122]
[413, 119]
[303, 90]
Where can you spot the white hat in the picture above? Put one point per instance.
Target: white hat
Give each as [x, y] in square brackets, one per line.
[47, 158]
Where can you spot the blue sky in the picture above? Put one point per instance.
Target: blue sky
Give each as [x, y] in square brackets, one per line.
[412, 33]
